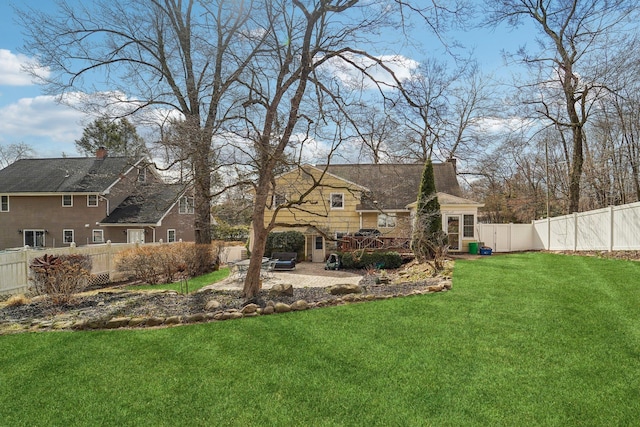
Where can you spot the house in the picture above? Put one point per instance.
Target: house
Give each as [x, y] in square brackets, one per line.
[59, 201]
[378, 199]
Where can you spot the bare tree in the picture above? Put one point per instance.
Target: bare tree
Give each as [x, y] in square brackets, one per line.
[576, 38]
[13, 152]
[171, 55]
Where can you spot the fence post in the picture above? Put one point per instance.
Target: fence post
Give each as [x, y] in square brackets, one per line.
[575, 231]
[26, 265]
[611, 226]
[109, 260]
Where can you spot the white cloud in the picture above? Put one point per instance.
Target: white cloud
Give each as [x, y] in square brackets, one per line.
[49, 127]
[11, 73]
[344, 69]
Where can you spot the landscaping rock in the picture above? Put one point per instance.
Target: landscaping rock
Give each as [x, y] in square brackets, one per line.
[435, 288]
[250, 308]
[299, 305]
[155, 321]
[212, 305]
[282, 307]
[137, 321]
[172, 320]
[281, 289]
[116, 322]
[343, 289]
[269, 309]
[194, 318]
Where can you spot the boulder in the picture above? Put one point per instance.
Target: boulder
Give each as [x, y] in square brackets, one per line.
[117, 322]
[155, 321]
[281, 289]
[269, 309]
[299, 305]
[173, 320]
[212, 305]
[250, 308]
[435, 288]
[137, 321]
[282, 307]
[194, 318]
[343, 289]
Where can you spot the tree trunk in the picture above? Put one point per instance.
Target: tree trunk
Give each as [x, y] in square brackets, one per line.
[252, 282]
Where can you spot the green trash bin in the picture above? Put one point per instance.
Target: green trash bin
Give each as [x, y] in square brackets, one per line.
[473, 248]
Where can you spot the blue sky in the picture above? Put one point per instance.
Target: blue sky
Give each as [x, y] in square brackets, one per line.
[28, 115]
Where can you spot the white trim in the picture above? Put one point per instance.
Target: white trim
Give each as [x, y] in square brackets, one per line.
[174, 235]
[8, 203]
[93, 236]
[67, 206]
[35, 230]
[97, 201]
[331, 201]
[72, 236]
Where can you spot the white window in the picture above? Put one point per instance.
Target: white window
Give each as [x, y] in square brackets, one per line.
[67, 200]
[186, 205]
[142, 175]
[171, 235]
[34, 238]
[4, 203]
[337, 200]
[386, 220]
[467, 227]
[92, 200]
[97, 236]
[67, 236]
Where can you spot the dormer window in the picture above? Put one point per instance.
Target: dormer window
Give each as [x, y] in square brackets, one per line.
[67, 200]
[337, 200]
[186, 205]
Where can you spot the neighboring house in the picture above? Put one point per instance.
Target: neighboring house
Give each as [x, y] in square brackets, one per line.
[382, 197]
[54, 202]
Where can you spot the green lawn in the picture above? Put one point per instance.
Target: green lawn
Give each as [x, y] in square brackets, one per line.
[524, 339]
[192, 284]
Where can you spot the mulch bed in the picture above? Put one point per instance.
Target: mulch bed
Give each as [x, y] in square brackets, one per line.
[97, 310]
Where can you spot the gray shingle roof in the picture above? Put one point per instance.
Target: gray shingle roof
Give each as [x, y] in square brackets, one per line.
[147, 206]
[63, 175]
[394, 186]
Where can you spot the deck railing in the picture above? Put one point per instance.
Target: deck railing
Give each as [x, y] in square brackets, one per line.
[353, 243]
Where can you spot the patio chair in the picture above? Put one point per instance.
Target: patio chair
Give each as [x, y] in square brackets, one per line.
[267, 268]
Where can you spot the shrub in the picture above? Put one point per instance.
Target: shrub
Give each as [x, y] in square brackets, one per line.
[286, 241]
[59, 277]
[152, 264]
[143, 263]
[17, 300]
[368, 259]
[226, 232]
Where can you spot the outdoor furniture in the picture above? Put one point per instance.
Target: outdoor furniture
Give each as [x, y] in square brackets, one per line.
[284, 260]
[266, 271]
[240, 268]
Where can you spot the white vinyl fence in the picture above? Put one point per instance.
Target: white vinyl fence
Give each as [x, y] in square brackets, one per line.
[14, 264]
[608, 229]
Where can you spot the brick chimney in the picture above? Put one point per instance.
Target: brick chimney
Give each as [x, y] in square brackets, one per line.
[101, 153]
